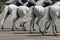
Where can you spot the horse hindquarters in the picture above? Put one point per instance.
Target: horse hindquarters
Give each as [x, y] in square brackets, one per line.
[23, 12]
[53, 15]
[38, 12]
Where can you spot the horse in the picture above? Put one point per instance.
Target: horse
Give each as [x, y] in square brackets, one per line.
[58, 3]
[9, 10]
[54, 13]
[37, 12]
[13, 10]
[40, 3]
[25, 20]
[23, 12]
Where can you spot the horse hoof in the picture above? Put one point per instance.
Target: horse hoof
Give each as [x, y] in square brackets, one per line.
[12, 29]
[24, 29]
[57, 32]
[45, 32]
[20, 25]
[33, 29]
[2, 28]
[42, 33]
[16, 28]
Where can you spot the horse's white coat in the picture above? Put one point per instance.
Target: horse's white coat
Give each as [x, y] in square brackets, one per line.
[52, 12]
[38, 10]
[22, 11]
[12, 10]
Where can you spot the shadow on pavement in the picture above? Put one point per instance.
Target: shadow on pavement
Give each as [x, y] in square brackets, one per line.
[35, 33]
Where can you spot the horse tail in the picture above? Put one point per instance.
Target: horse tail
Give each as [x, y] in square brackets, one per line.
[49, 12]
[32, 11]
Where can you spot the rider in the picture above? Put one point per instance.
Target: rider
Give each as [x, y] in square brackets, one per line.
[47, 3]
[31, 3]
[16, 2]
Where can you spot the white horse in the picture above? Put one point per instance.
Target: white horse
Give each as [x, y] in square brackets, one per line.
[23, 12]
[15, 12]
[40, 2]
[57, 3]
[54, 13]
[37, 11]
[40, 12]
[9, 10]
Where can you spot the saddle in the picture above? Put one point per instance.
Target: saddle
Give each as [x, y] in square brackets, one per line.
[18, 4]
[30, 4]
[47, 4]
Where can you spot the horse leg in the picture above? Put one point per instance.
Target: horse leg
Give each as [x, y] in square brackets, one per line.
[37, 22]
[22, 23]
[24, 20]
[53, 30]
[32, 23]
[56, 29]
[4, 21]
[23, 26]
[14, 20]
[13, 24]
[53, 25]
[47, 27]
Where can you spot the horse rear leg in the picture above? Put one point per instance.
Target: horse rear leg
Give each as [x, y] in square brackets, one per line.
[22, 23]
[4, 20]
[37, 22]
[53, 27]
[47, 26]
[56, 29]
[32, 23]
[14, 20]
